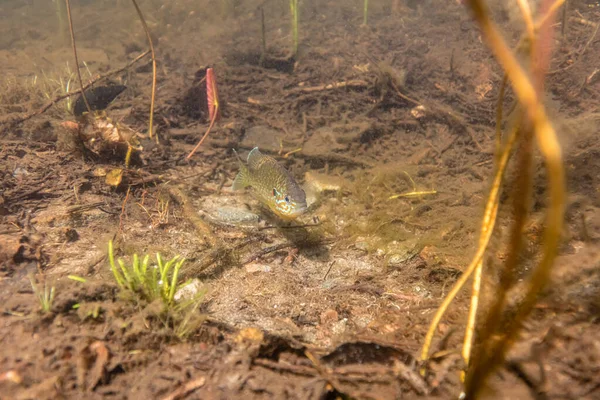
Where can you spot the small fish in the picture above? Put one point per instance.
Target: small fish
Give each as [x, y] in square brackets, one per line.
[272, 184]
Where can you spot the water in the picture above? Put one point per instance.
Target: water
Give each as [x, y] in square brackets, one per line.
[389, 126]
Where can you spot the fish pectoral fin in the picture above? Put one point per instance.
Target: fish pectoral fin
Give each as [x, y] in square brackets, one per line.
[240, 182]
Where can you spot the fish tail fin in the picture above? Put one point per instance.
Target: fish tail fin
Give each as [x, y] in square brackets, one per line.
[241, 179]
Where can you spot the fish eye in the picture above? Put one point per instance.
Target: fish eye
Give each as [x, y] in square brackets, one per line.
[275, 192]
[287, 199]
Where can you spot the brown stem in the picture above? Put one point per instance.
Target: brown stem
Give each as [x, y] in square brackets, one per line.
[87, 105]
[212, 122]
[137, 8]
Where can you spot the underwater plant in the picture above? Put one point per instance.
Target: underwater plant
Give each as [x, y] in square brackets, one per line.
[365, 12]
[160, 282]
[45, 296]
[294, 15]
[150, 282]
[61, 84]
[498, 332]
[212, 98]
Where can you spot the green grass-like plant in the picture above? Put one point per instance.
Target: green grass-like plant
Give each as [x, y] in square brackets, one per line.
[365, 12]
[45, 296]
[151, 282]
[159, 282]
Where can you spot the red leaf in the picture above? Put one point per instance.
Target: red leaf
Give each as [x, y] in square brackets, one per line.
[212, 95]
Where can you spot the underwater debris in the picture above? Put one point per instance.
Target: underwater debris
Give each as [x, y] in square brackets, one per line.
[98, 98]
[103, 136]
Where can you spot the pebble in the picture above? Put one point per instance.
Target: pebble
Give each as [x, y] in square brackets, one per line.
[234, 216]
[189, 291]
[250, 268]
[329, 317]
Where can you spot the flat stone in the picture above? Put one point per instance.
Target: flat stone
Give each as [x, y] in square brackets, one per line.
[233, 216]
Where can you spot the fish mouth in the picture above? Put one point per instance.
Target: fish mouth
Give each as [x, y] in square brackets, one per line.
[299, 211]
[293, 214]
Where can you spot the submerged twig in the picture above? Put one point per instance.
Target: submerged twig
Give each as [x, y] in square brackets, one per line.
[330, 86]
[294, 15]
[73, 45]
[151, 45]
[263, 49]
[267, 250]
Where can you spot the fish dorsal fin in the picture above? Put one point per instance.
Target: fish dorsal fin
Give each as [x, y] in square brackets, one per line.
[254, 158]
[241, 180]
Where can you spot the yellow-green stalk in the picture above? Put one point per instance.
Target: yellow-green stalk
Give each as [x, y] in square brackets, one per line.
[365, 12]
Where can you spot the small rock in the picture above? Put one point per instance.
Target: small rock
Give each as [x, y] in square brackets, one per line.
[418, 112]
[339, 327]
[397, 259]
[317, 184]
[428, 254]
[401, 252]
[361, 243]
[189, 291]
[249, 336]
[233, 216]
[329, 316]
[329, 284]
[362, 321]
[250, 268]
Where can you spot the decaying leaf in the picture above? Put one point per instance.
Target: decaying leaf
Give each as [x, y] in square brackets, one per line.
[91, 366]
[114, 177]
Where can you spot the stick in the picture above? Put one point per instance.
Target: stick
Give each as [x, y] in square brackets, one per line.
[186, 388]
[212, 96]
[563, 26]
[263, 36]
[212, 122]
[267, 250]
[87, 105]
[335, 85]
[137, 8]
